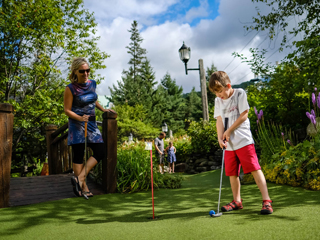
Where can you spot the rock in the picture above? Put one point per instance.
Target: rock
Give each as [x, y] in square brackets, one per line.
[198, 161]
[181, 167]
[215, 167]
[192, 171]
[211, 163]
[201, 169]
[202, 164]
[211, 158]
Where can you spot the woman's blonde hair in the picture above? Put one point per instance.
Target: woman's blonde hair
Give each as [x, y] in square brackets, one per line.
[76, 63]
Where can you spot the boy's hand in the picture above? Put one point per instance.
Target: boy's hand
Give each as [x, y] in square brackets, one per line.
[222, 144]
[226, 135]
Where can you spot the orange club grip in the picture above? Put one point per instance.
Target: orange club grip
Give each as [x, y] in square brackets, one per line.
[85, 129]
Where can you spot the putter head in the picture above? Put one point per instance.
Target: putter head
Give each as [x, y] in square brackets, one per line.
[85, 196]
[216, 215]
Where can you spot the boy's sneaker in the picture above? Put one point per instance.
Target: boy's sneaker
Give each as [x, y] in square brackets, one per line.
[266, 207]
[232, 206]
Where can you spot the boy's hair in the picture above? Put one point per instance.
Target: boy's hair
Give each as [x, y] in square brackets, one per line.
[170, 143]
[218, 80]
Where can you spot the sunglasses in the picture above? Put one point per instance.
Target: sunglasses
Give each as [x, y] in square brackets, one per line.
[84, 70]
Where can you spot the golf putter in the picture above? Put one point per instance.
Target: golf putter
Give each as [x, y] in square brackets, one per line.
[85, 157]
[218, 214]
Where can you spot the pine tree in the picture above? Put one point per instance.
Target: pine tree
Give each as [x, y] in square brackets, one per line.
[175, 104]
[137, 83]
[193, 111]
[136, 51]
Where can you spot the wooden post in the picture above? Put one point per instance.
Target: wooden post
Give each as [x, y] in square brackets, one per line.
[109, 163]
[6, 135]
[52, 151]
[203, 84]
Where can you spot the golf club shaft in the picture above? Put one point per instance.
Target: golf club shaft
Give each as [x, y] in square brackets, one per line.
[85, 152]
[222, 164]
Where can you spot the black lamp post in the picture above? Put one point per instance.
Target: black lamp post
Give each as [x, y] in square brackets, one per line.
[185, 53]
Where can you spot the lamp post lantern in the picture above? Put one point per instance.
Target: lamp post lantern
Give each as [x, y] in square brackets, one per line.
[164, 127]
[130, 138]
[185, 53]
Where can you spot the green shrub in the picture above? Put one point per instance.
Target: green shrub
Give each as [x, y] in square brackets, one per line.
[134, 170]
[203, 136]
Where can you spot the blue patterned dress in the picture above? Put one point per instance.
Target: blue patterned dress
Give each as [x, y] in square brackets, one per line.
[84, 103]
[171, 155]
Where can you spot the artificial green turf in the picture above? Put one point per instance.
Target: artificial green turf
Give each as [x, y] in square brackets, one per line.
[184, 214]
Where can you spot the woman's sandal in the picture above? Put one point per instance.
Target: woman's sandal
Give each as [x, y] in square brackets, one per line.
[76, 186]
[89, 194]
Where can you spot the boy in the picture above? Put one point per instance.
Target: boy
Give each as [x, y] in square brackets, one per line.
[232, 104]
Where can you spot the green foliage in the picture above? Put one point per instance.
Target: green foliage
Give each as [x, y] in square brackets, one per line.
[134, 170]
[174, 103]
[203, 135]
[37, 37]
[132, 120]
[297, 166]
[272, 138]
[183, 148]
[193, 110]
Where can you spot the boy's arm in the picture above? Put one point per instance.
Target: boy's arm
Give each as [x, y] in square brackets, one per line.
[220, 132]
[243, 116]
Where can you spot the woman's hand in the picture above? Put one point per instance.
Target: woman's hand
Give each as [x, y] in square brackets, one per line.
[85, 118]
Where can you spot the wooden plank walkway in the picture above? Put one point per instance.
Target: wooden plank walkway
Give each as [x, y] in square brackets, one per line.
[30, 190]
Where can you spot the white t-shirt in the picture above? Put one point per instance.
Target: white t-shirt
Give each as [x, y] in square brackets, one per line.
[232, 108]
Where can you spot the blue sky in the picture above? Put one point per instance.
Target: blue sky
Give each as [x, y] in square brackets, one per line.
[199, 10]
[213, 29]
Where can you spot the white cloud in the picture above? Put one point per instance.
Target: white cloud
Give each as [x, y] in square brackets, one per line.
[201, 11]
[212, 40]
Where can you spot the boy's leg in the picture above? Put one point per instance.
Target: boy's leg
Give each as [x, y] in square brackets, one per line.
[172, 167]
[235, 187]
[261, 183]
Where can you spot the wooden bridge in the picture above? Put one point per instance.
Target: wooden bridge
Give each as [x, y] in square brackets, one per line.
[57, 185]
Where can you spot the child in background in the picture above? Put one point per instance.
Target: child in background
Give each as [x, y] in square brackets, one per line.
[237, 139]
[171, 151]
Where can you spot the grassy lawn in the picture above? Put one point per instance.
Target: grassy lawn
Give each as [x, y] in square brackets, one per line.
[184, 214]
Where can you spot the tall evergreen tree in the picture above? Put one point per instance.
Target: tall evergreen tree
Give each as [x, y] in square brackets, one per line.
[137, 83]
[136, 51]
[193, 110]
[175, 103]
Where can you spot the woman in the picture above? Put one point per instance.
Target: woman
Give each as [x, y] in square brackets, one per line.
[80, 101]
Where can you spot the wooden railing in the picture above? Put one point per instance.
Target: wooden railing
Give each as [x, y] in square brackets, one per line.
[60, 154]
[6, 134]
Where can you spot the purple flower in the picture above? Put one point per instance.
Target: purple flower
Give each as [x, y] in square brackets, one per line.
[313, 119]
[313, 97]
[260, 114]
[289, 142]
[318, 100]
[282, 134]
[256, 112]
[315, 89]
[258, 121]
[308, 115]
[313, 113]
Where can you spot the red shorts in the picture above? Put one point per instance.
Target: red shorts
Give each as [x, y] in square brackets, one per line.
[245, 157]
